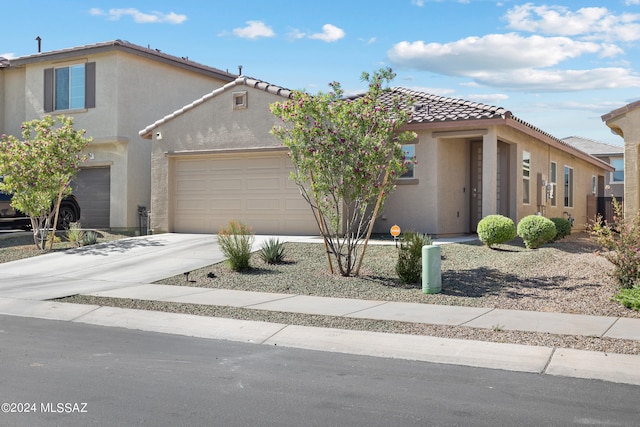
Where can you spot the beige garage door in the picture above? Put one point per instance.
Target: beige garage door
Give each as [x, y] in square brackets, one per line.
[209, 191]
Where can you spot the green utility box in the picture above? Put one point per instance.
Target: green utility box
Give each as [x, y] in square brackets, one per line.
[431, 274]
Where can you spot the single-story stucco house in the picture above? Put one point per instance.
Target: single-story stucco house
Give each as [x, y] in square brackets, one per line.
[625, 121]
[215, 159]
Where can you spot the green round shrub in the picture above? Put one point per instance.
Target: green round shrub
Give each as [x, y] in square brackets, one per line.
[536, 230]
[563, 227]
[496, 229]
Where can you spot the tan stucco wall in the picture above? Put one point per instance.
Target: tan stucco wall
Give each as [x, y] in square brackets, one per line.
[627, 125]
[131, 92]
[438, 201]
[213, 125]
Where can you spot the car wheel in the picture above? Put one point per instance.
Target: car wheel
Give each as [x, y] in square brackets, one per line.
[65, 217]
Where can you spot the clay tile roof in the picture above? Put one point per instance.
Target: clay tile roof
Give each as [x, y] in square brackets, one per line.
[595, 148]
[620, 111]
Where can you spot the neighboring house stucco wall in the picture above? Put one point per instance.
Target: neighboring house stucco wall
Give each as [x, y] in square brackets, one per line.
[625, 122]
[133, 86]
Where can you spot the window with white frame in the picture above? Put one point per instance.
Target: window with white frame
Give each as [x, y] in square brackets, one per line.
[553, 181]
[568, 187]
[618, 174]
[526, 177]
[409, 152]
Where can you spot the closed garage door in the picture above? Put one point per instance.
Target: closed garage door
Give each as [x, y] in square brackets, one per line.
[209, 191]
[92, 188]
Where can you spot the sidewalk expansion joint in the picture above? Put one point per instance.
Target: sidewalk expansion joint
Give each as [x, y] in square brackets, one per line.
[265, 302]
[274, 334]
[477, 317]
[546, 366]
[364, 309]
[84, 314]
[609, 328]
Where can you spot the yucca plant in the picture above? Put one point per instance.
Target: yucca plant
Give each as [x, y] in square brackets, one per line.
[272, 251]
[74, 234]
[90, 238]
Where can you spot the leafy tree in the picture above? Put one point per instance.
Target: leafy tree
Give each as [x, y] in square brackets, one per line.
[38, 169]
[346, 153]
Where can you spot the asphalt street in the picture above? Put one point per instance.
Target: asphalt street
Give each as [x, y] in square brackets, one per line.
[71, 374]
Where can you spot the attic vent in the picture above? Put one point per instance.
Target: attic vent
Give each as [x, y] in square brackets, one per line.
[240, 100]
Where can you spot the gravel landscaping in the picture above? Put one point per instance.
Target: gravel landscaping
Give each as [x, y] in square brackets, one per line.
[566, 276]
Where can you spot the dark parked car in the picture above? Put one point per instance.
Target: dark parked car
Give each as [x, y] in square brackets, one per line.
[10, 217]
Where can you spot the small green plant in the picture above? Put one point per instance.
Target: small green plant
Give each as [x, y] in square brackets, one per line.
[536, 230]
[409, 265]
[90, 238]
[75, 234]
[497, 328]
[235, 242]
[620, 242]
[629, 297]
[563, 227]
[272, 251]
[496, 229]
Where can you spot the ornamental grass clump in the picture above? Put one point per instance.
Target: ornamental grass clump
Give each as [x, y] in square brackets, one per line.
[409, 265]
[272, 251]
[620, 241]
[496, 229]
[235, 243]
[536, 230]
[563, 227]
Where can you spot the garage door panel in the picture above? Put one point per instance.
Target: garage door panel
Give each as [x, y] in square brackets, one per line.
[254, 189]
[92, 188]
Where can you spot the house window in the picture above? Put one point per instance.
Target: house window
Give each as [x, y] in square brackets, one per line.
[239, 100]
[409, 152]
[568, 187]
[553, 181]
[69, 83]
[70, 87]
[526, 177]
[594, 184]
[618, 174]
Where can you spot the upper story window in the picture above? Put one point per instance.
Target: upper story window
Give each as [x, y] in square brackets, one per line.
[70, 83]
[618, 175]
[409, 152]
[70, 87]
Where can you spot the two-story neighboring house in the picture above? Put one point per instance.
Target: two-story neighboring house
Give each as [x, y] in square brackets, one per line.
[612, 154]
[110, 89]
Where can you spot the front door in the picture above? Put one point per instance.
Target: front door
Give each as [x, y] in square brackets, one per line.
[476, 185]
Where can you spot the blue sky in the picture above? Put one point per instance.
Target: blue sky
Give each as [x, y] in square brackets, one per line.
[557, 64]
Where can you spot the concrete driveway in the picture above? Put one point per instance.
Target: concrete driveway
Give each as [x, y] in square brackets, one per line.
[106, 266]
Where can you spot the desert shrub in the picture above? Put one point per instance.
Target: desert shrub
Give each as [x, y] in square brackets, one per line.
[629, 298]
[620, 242]
[536, 230]
[90, 238]
[563, 227]
[496, 229]
[75, 234]
[235, 242]
[409, 265]
[272, 251]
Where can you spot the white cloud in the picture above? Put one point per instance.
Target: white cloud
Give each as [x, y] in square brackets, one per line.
[140, 17]
[418, 3]
[253, 30]
[493, 52]
[488, 98]
[591, 23]
[532, 80]
[330, 33]
[630, 2]
[7, 55]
